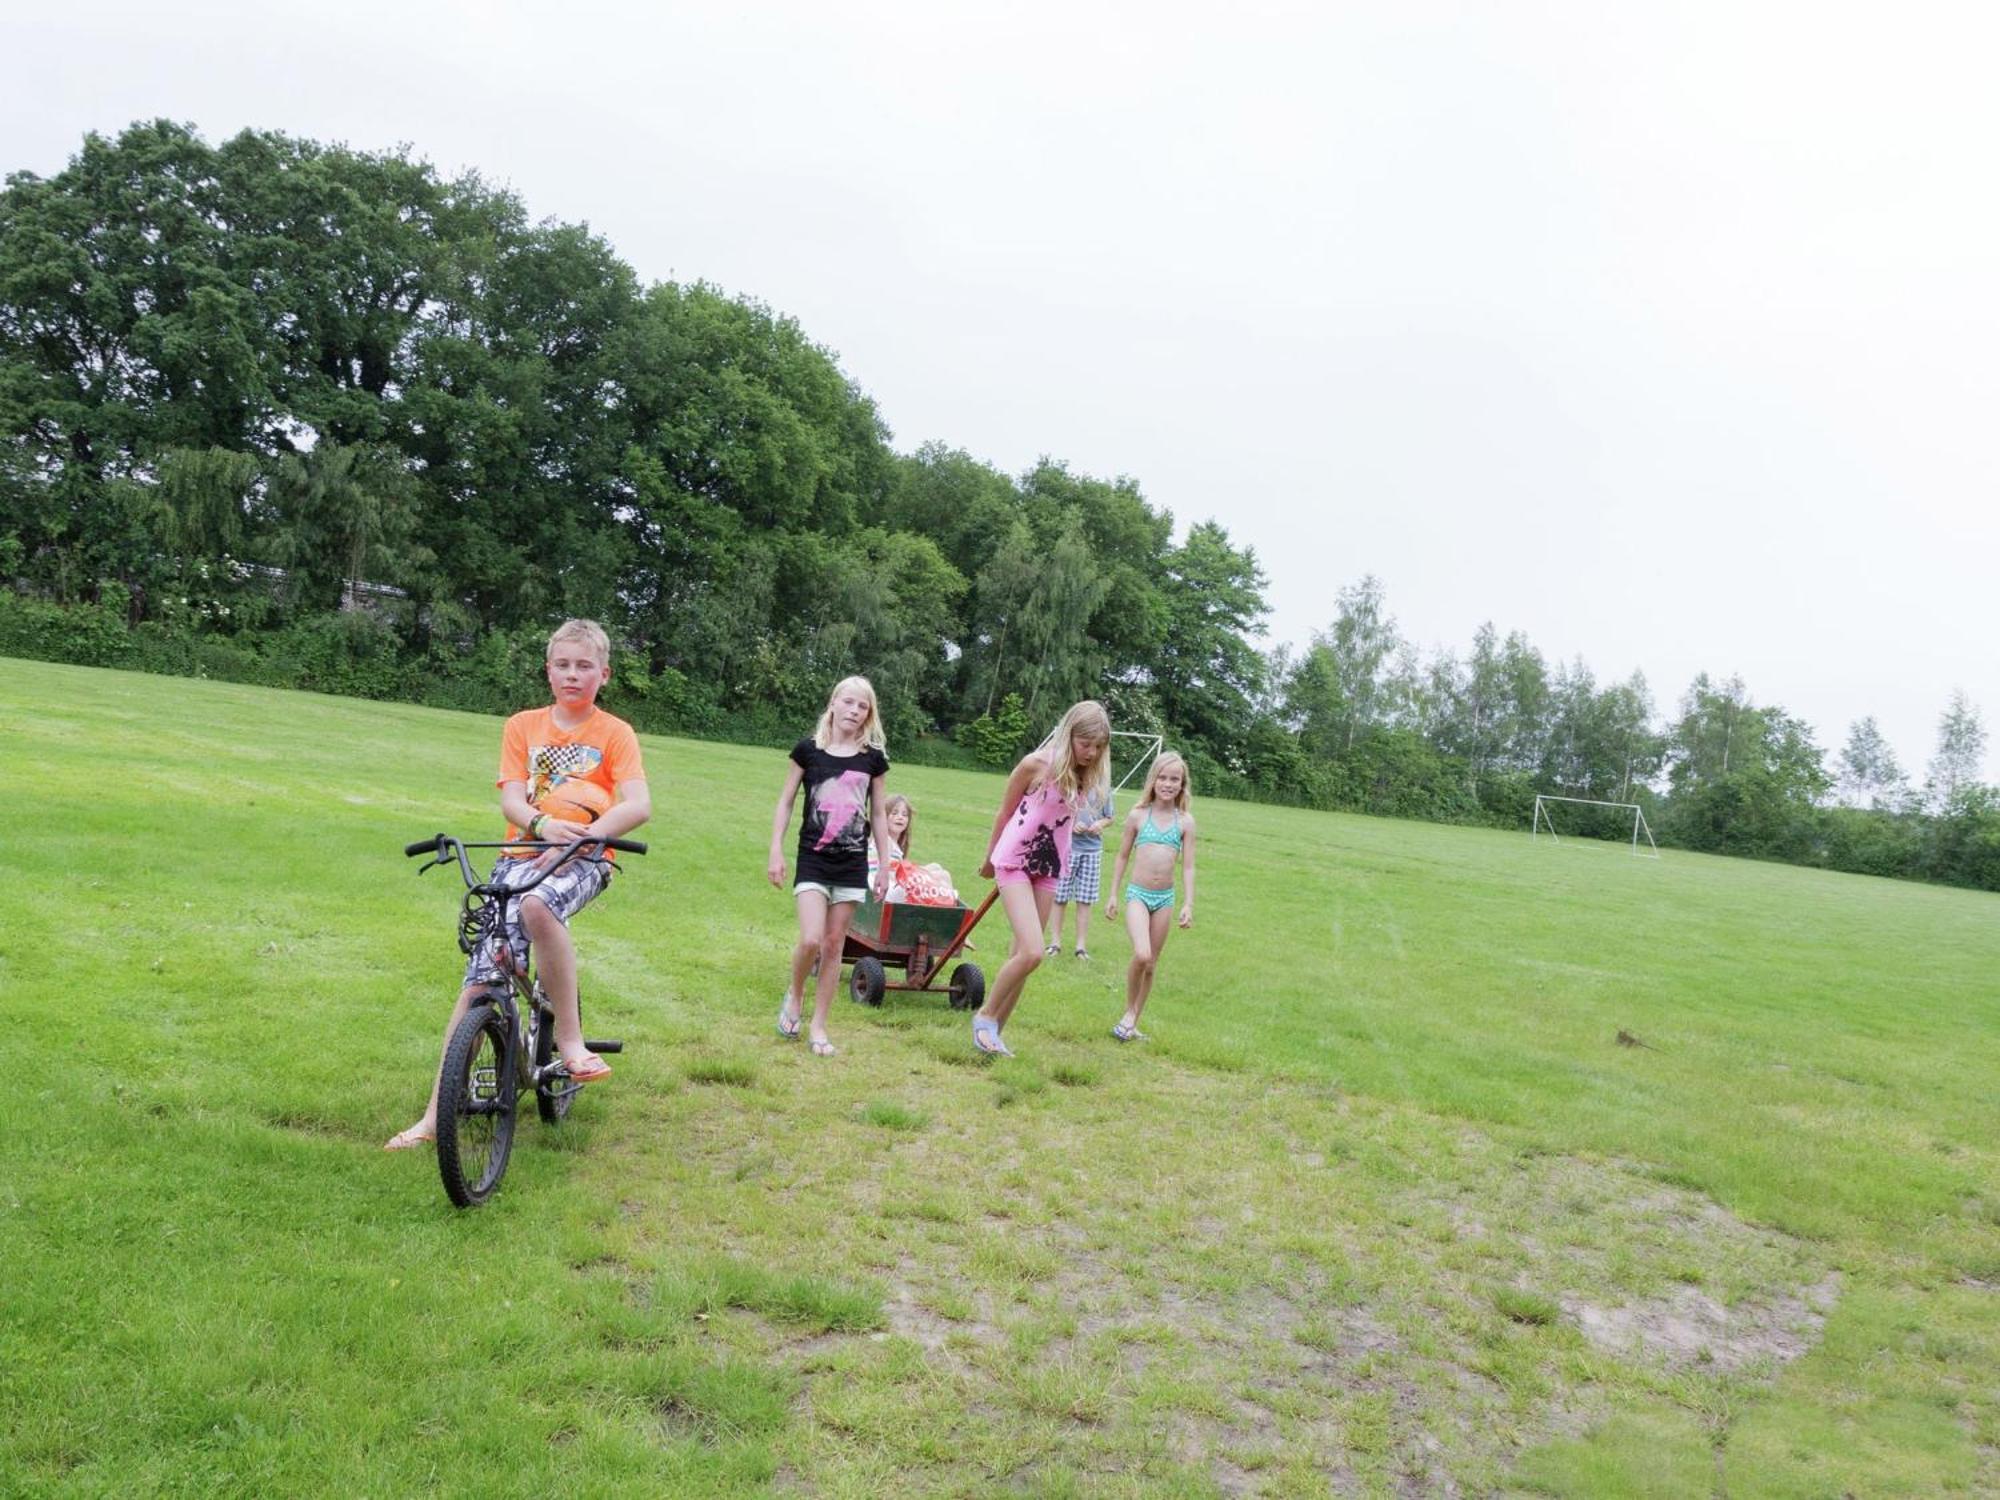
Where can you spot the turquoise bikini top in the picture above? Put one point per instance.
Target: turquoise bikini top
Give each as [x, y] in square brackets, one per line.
[1149, 834]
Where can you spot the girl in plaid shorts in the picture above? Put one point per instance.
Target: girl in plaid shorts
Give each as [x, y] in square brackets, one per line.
[1086, 863]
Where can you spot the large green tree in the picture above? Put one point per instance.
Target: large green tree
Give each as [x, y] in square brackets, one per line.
[1206, 674]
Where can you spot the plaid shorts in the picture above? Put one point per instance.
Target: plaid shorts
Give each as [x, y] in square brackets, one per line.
[1080, 885]
[565, 893]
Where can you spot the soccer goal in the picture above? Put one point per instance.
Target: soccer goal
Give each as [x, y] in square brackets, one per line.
[1150, 745]
[1545, 821]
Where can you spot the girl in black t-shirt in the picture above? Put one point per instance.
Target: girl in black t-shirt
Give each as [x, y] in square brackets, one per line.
[841, 768]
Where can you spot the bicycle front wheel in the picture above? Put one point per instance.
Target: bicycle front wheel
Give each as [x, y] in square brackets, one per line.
[476, 1094]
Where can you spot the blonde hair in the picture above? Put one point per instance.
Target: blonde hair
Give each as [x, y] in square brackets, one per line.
[1164, 759]
[587, 632]
[871, 728]
[909, 828]
[1086, 718]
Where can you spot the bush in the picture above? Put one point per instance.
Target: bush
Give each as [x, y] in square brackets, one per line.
[999, 738]
[88, 635]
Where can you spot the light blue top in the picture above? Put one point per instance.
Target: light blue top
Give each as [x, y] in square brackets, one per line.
[1090, 812]
[1150, 833]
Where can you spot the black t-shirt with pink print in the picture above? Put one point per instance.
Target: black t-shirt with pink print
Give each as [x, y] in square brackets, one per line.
[835, 826]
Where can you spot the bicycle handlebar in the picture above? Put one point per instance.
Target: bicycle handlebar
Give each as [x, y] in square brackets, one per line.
[437, 842]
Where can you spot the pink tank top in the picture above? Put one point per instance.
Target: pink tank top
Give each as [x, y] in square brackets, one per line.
[1036, 838]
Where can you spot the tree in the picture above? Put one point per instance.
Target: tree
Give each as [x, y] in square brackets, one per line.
[1600, 741]
[341, 516]
[1470, 706]
[124, 331]
[1746, 780]
[1708, 734]
[1060, 660]
[1961, 750]
[1001, 593]
[1339, 687]
[1868, 769]
[1206, 674]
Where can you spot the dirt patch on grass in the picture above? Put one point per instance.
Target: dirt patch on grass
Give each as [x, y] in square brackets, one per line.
[1280, 1293]
[1687, 1327]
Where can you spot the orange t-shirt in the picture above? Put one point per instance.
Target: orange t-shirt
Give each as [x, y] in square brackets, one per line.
[568, 771]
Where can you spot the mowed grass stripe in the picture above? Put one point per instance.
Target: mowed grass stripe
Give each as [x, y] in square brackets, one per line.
[1308, 1237]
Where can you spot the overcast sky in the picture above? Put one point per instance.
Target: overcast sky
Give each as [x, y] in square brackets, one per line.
[1665, 334]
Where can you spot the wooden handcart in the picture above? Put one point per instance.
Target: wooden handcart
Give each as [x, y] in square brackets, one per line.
[920, 940]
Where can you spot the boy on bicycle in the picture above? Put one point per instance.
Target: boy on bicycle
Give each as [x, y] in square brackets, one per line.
[567, 772]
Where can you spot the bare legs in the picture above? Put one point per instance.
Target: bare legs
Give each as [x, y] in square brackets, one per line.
[426, 1127]
[1148, 931]
[555, 961]
[1027, 909]
[1082, 925]
[555, 966]
[822, 938]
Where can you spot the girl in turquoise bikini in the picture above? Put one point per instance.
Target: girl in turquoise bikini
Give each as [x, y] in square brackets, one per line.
[1157, 832]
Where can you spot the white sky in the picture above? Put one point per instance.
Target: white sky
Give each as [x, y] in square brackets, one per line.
[1666, 334]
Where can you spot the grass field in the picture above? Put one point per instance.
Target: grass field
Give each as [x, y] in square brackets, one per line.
[1383, 1209]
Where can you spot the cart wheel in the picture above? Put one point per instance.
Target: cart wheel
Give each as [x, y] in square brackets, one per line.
[868, 981]
[967, 988]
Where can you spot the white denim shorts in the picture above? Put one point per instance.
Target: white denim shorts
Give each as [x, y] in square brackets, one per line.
[835, 894]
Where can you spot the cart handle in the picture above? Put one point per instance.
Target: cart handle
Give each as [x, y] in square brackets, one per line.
[964, 932]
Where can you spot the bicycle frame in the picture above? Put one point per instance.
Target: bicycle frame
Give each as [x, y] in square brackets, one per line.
[484, 909]
[523, 1057]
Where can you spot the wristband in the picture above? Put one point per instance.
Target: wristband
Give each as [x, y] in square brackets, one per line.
[535, 825]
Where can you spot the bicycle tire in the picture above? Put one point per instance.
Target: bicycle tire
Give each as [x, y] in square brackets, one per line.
[553, 1096]
[476, 1098]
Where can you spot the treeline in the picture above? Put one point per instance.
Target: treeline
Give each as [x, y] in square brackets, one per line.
[292, 413]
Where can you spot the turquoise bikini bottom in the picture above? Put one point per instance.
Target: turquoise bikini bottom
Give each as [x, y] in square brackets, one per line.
[1150, 899]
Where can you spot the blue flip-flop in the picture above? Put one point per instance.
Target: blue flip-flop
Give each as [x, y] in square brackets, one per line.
[985, 1028]
[789, 1033]
[1126, 1033]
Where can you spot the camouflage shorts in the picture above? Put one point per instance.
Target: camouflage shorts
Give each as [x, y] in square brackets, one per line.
[564, 893]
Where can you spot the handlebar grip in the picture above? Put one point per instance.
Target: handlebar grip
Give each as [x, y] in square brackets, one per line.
[430, 845]
[628, 846]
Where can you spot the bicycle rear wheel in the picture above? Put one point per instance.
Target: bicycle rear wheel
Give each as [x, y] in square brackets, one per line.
[475, 1117]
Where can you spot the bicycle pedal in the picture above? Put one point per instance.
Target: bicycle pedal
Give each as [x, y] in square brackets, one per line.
[611, 1047]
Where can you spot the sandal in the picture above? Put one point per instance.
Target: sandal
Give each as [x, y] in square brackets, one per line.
[1126, 1032]
[1052, 950]
[825, 1049]
[986, 1037]
[1083, 953]
[406, 1140]
[588, 1069]
[789, 1032]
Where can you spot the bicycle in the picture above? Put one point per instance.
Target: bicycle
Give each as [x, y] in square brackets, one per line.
[491, 1058]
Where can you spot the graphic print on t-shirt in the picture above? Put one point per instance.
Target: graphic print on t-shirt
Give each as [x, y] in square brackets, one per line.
[1042, 857]
[550, 766]
[841, 803]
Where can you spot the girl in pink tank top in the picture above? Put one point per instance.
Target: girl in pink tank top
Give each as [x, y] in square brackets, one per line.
[1030, 849]
[1034, 846]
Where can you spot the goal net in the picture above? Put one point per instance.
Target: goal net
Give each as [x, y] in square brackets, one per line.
[1587, 818]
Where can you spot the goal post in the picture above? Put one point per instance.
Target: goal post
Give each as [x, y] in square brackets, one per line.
[1150, 745]
[1545, 822]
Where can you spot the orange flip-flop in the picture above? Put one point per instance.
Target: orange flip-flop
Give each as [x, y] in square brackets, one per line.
[590, 1070]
